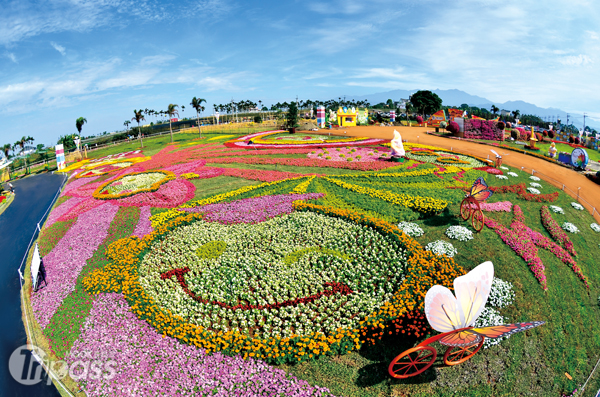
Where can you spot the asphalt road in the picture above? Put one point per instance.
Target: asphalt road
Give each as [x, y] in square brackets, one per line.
[17, 225]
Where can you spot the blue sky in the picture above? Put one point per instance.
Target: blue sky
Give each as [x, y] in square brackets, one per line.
[62, 59]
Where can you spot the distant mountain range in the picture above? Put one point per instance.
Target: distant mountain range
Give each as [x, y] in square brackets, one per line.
[457, 97]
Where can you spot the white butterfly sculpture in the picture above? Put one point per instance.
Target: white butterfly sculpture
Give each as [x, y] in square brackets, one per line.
[455, 317]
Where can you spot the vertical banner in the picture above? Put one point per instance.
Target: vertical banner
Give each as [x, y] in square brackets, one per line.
[217, 117]
[77, 141]
[321, 116]
[60, 157]
[392, 116]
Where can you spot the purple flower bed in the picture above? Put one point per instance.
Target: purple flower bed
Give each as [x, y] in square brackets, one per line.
[144, 225]
[145, 363]
[252, 210]
[67, 259]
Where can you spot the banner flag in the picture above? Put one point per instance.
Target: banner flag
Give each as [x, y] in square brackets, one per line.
[392, 116]
[60, 157]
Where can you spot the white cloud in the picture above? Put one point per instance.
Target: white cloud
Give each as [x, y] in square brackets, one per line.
[12, 57]
[213, 9]
[156, 60]
[593, 35]
[576, 60]
[58, 48]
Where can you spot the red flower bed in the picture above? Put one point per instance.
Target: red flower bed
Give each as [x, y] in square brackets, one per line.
[573, 145]
[521, 190]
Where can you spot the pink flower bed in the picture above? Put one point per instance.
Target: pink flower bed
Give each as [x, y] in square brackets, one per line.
[191, 166]
[84, 206]
[260, 175]
[525, 241]
[170, 194]
[491, 170]
[500, 206]
[62, 209]
[67, 259]
[351, 165]
[144, 225]
[145, 363]
[76, 184]
[483, 129]
[366, 154]
[260, 152]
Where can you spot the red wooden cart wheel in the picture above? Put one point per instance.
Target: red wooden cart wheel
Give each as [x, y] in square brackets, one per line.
[412, 362]
[478, 220]
[456, 355]
[465, 209]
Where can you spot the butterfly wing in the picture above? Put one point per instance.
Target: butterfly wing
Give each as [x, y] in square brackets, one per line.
[461, 338]
[441, 310]
[480, 190]
[498, 331]
[472, 291]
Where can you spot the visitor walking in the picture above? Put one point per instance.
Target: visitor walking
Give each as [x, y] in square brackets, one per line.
[11, 188]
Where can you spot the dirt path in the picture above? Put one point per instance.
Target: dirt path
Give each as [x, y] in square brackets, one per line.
[556, 175]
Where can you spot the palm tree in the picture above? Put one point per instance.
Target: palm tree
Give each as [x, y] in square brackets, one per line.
[79, 124]
[138, 117]
[171, 111]
[126, 124]
[6, 148]
[494, 109]
[197, 104]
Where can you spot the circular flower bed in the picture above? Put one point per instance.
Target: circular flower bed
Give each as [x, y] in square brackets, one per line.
[411, 229]
[441, 247]
[533, 190]
[512, 174]
[556, 209]
[569, 227]
[134, 183]
[460, 233]
[535, 184]
[534, 178]
[501, 177]
[595, 227]
[268, 139]
[577, 206]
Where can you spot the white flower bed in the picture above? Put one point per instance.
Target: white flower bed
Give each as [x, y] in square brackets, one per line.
[556, 209]
[512, 174]
[534, 184]
[501, 294]
[569, 227]
[460, 233]
[577, 206]
[533, 190]
[501, 177]
[411, 229]
[595, 227]
[534, 178]
[441, 247]
[489, 317]
[504, 168]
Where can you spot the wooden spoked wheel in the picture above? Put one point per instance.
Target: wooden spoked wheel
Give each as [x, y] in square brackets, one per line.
[456, 355]
[478, 220]
[465, 209]
[412, 362]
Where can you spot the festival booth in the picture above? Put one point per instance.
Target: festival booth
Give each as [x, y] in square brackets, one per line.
[346, 117]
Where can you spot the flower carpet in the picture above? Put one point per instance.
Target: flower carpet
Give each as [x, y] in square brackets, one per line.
[207, 268]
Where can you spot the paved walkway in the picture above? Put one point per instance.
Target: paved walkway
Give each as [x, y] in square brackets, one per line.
[589, 192]
[33, 196]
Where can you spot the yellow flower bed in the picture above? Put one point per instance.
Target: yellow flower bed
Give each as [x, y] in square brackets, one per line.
[74, 166]
[301, 188]
[427, 171]
[424, 270]
[421, 204]
[189, 175]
